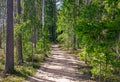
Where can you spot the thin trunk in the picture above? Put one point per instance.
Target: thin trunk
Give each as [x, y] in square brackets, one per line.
[0, 27]
[34, 37]
[19, 37]
[0, 38]
[78, 14]
[19, 48]
[43, 24]
[9, 64]
[78, 7]
[67, 38]
[74, 41]
[32, 55]
[34, 40]
[54, 21]
[74, 20]
[43, 13]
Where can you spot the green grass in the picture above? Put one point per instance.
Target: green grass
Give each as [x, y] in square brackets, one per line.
[21, 72]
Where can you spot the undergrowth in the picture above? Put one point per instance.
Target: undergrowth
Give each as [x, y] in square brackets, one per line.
[21, 72]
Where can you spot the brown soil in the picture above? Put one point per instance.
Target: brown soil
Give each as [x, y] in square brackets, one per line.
[62, 67]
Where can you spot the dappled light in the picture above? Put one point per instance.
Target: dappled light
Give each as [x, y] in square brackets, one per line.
[61, 67]
[59, 40]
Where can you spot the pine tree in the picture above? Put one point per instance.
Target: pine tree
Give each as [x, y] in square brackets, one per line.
[9, 64]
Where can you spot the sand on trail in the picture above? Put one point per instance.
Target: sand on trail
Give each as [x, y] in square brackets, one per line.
[60, 67]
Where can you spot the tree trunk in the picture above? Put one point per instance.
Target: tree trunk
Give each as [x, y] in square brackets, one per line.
[19, 37]
[0, 39]
[43, 25]
[9, 64]
[74, 41]
[0, 27]
[19, 48]
[34, 41]
[74, 20]
[54, 21]
[77, 17]
[34, 37]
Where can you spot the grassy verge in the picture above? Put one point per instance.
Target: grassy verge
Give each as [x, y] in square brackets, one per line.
[21, 72]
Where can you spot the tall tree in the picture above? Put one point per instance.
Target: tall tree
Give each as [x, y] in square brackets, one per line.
[54, 17]
[0, 25]
[19, 36]
[74, 21]
[9, 64]
[0, 39]
[43, 24]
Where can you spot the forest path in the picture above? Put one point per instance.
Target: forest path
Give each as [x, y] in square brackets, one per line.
[61, 67]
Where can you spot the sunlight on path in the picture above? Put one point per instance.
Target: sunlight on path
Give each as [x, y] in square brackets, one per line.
[60, 67]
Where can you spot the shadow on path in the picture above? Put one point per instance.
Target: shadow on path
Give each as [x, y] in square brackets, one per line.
[61, 67]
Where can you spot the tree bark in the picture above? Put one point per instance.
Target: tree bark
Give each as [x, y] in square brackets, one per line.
[0, 39]
[19, 37]
[74, 20]
[43, 26]
[74, 41]
[19, 48]
[54, 22]
[9, 64]
[34, 37]
[0, 27]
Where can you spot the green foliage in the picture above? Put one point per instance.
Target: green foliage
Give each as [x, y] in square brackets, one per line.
[21, 72]
[35, 39]
[19, 28]
[97, 28]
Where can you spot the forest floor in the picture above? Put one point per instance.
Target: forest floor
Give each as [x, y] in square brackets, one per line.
[62, 66]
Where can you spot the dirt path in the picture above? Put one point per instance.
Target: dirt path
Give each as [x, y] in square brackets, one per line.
[61, 67]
